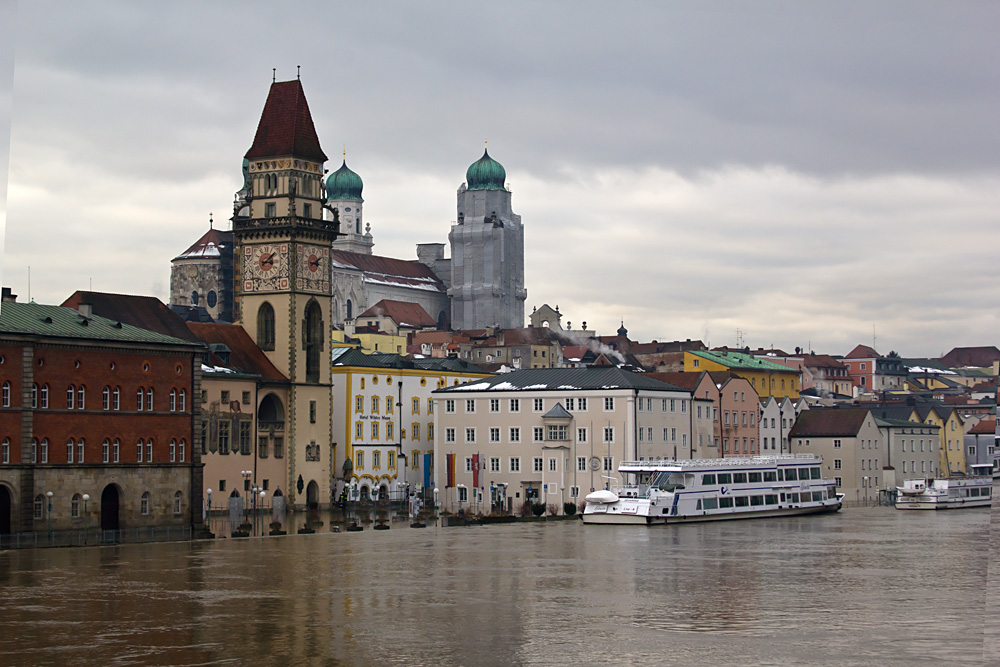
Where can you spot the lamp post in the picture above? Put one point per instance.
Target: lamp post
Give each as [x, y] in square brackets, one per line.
[208, 515]
[86, 497]
[437, 505]
[48, 515]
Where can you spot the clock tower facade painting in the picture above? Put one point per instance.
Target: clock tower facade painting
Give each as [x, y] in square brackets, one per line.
[282, 282]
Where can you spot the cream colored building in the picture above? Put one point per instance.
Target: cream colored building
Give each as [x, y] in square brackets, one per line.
[383, 414]
[851, 446]
[551, 435]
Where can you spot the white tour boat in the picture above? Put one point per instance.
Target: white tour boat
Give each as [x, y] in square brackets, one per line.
[669, 491]
[944, 493]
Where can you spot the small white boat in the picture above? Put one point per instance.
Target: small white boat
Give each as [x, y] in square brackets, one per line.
[944, 493]
[669, 491]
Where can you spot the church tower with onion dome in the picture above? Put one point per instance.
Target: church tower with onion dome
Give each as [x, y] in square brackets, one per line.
[343, 195]
[487, 252]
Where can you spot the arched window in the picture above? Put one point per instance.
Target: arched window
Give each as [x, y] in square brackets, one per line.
[173, 451]
[144, 503]
[70, 397]
[265, 327]
[106, 451]
[178, 502]
[182, 398]
[117, 398]
[180, 451]
[34, 395]
[149, 399]
[313, 327]
[138, 451]
[81, 394]
[116, 451]
[173, 400]
[350, 310]
[39, 505]
[194, 298]
[6, 393]
[106, 398]
[70, 448]
[79, 450]
[74, 506]
[34, 450]
[5, 451]
[149, 451]
[140, 396]
[45, 396]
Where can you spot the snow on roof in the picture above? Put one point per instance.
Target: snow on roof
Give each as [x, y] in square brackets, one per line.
[478, 386]
[215, 369]
[919, 370]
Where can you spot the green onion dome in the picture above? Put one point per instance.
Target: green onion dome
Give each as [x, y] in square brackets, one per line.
[344, 184]
[485, 174]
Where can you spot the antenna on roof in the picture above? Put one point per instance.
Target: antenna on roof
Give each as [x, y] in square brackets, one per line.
[210, 221]
[274, 74]
[298, 72]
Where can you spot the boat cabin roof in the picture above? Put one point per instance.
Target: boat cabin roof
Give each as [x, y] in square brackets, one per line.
[714, 465]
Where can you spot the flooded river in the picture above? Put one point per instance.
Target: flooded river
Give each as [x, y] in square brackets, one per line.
[870, 586]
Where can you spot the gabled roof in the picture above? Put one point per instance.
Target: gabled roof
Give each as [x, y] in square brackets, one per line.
[980, 357]
[145, 312]
[829, 422]
[985, 427]
[244, 355]
[286, 126]
[67, 323]
[388, 271]
[862, 352]
[557, 412]
[212, 245]
[689, 381]
[822, 361]
[565, 379]
[403, 313]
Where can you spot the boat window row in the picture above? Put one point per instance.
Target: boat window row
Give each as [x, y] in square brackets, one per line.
[732, 502]
[782, 475]
[977, 492]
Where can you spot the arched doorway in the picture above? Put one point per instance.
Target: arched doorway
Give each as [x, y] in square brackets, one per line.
[5, 510]
[312, 494]
[313, 326]
[110, 502]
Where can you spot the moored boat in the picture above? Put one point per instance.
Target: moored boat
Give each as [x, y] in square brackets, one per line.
[944, 493]
[669, 491]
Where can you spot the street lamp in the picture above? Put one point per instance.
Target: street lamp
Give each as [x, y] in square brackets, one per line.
[86, 497]
[208, 515]
[437, 506]
[49, 513]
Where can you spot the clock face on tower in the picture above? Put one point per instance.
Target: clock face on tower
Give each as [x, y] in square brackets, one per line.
[265, 267]
[312, 268]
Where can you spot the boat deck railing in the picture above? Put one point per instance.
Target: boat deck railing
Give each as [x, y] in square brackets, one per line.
[719, 463]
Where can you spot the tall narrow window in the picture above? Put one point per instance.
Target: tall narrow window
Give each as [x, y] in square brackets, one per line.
[70, 397]
[34, 395]
[6, 393]
[81, 393]
[74, 507]
[79, 450]
[45, 396]
[117, 398]
[144, 504]
[173, 451]
[149, 451]
[149, 399]
[115, 450]
[45, 450]
[180, 451]
[138, 451]
[173, 400]
[70, 447]
[106, 451]
[265, 327]
[313, 340]
[182, 400]
[140, 396]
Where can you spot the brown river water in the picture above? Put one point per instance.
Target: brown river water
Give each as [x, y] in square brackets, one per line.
[866, 586]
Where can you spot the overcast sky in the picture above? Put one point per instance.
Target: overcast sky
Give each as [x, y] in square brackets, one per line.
[809, 173]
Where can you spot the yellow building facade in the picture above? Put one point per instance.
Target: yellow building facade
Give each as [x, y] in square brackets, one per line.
[766, 378]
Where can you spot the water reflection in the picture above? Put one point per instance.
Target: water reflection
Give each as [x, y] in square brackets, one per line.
[863, 586]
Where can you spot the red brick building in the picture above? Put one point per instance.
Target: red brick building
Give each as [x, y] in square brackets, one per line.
[95, 407]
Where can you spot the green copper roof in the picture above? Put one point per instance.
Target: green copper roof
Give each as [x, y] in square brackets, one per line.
[485, 174]
[344, 184]
[61, 322]
[741, 360]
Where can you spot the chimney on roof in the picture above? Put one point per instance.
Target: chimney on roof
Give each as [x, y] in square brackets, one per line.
[86, 309]
[8, 296]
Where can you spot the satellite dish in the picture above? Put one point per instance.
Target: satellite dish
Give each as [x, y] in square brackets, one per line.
[595, 463]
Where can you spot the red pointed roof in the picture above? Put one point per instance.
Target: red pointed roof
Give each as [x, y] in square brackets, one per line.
[286, 126]
[403, 313]
[862, 352]
[211, 245]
